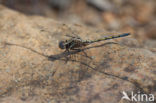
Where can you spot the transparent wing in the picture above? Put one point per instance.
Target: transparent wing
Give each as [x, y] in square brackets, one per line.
[73, 36]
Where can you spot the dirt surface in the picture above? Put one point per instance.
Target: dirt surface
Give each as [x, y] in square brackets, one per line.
[34, 70]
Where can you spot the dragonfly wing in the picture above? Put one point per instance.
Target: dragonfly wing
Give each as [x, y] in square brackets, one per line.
[70, 36]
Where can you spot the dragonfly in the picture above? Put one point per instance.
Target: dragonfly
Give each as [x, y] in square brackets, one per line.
[75, 43]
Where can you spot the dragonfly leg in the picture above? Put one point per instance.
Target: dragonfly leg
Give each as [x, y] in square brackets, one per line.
[70, 47]
[66, 57]
[67, 50]
[76, 49]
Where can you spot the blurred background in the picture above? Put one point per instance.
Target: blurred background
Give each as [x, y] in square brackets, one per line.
[135, 16]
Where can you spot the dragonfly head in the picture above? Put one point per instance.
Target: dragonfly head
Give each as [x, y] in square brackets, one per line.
[61, 45]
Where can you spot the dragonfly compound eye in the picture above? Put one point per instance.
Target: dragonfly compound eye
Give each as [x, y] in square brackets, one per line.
[61, 45]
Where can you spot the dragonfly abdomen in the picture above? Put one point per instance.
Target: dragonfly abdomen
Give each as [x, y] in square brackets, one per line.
[107, 38]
